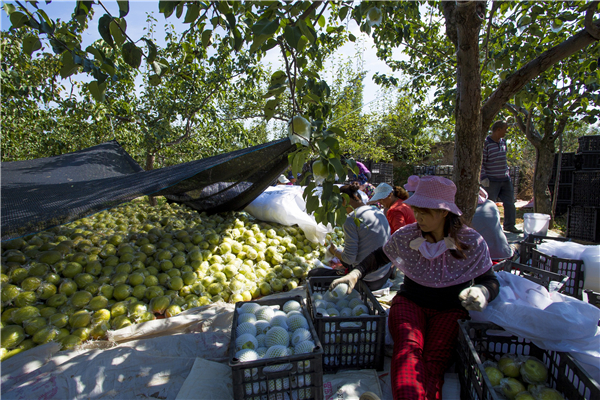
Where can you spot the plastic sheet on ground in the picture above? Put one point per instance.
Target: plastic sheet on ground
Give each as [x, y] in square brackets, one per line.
[285, 205]
[149, 360]
[349, 385]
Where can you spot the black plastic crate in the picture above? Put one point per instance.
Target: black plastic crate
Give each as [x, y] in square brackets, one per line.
[382, 173]
[564, 266]
[477, 343]
[297, 377]
[566, 176]
[567, 161]
[583, 223]
[589, 143]
[562, 207]
[565, 191]
[593, 298]
[531, 241]
[349, 342]
[587, 161]
[539, 276]
[586, 188]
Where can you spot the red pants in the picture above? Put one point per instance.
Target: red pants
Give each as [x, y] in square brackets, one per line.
[423, 344]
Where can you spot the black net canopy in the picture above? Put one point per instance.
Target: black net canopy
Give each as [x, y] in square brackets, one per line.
[42, 193]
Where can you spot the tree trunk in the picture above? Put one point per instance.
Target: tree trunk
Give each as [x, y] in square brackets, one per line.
[468, 136]
[150, 157]
[544, 158]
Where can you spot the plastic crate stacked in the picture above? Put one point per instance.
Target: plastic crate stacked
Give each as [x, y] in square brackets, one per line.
[583, 221]
[565, 182]
[298, 376]
[477, 342]
[382, 173]
[349, 342]
[447, 171]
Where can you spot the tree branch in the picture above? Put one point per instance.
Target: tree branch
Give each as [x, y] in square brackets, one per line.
[515, 82]
[592, 29]
[487, 35]
[450, 17]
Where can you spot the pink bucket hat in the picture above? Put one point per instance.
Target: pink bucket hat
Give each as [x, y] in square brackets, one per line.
[436, 193]
[412, 183]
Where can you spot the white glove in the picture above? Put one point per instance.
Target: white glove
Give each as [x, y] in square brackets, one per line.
[485, 182]
[349, 279]
[474, 298]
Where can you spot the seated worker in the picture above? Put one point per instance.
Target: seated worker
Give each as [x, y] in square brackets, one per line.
[282, 180]
[392, 198]
[447, 270]
[486, 221]
[363, 177]
[292, 179]
[362, 240]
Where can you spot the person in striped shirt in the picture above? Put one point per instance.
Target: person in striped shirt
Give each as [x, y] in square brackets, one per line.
[494, 174]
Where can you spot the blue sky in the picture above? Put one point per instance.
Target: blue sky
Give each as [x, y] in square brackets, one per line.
[136, 20]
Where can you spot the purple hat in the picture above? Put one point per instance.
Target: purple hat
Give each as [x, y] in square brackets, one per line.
[436, 193]
[412, 183]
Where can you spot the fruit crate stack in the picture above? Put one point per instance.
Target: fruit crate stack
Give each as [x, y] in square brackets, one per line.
[480, 343]
[447, 171]
[351, 328]
[275, 351]
[583, 221]
[382, 173]
[565, 182]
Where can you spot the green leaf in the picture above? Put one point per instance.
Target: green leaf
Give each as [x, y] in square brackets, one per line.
[123, 7]
[333, 144]
[9, 8]
[323, 147]
[270, 108]
[97, 90]
[166, 7]
[312, 202]
[302, 42]
[116, 32]
[179, 11]
[31, 44]
[156, 67]
[132, 54]
[340, 216]
[292, 35]
[231, 20]
[311, 98]
[151, 51]
[265, 27]
[98, 56]
[154, 80]
[68, 66]
[193, 11]
[343, 13]
[352, 38]
[306, 30]
[108, 68]
[327, 191]
[321, 21]
[298, 163]
[339, 168]
[18, 19]
[278, 78]
[357, 222]
[206, 38]
[104, 30]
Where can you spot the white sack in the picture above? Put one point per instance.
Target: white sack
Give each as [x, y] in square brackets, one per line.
[551, 321]
[285, 205]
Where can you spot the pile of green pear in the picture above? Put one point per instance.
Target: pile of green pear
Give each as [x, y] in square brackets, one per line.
[135, 263]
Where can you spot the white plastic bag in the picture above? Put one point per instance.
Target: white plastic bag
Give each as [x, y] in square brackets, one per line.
[285, 205]
[551, 321]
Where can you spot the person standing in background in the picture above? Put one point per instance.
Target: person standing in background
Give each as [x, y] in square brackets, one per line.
[486, 222]
[495, 177]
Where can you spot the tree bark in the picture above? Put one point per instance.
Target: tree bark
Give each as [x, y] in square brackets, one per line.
[468, 146]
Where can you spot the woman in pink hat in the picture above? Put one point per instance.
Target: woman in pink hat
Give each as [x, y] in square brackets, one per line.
[411, 185]
[447, 270]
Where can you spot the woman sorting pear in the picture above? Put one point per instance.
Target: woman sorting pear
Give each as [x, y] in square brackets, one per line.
[447, 269]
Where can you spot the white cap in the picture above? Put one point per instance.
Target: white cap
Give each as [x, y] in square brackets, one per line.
[382, 191]
[283, 179]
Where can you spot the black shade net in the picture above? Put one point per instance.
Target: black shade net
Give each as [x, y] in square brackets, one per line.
[42, 193]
